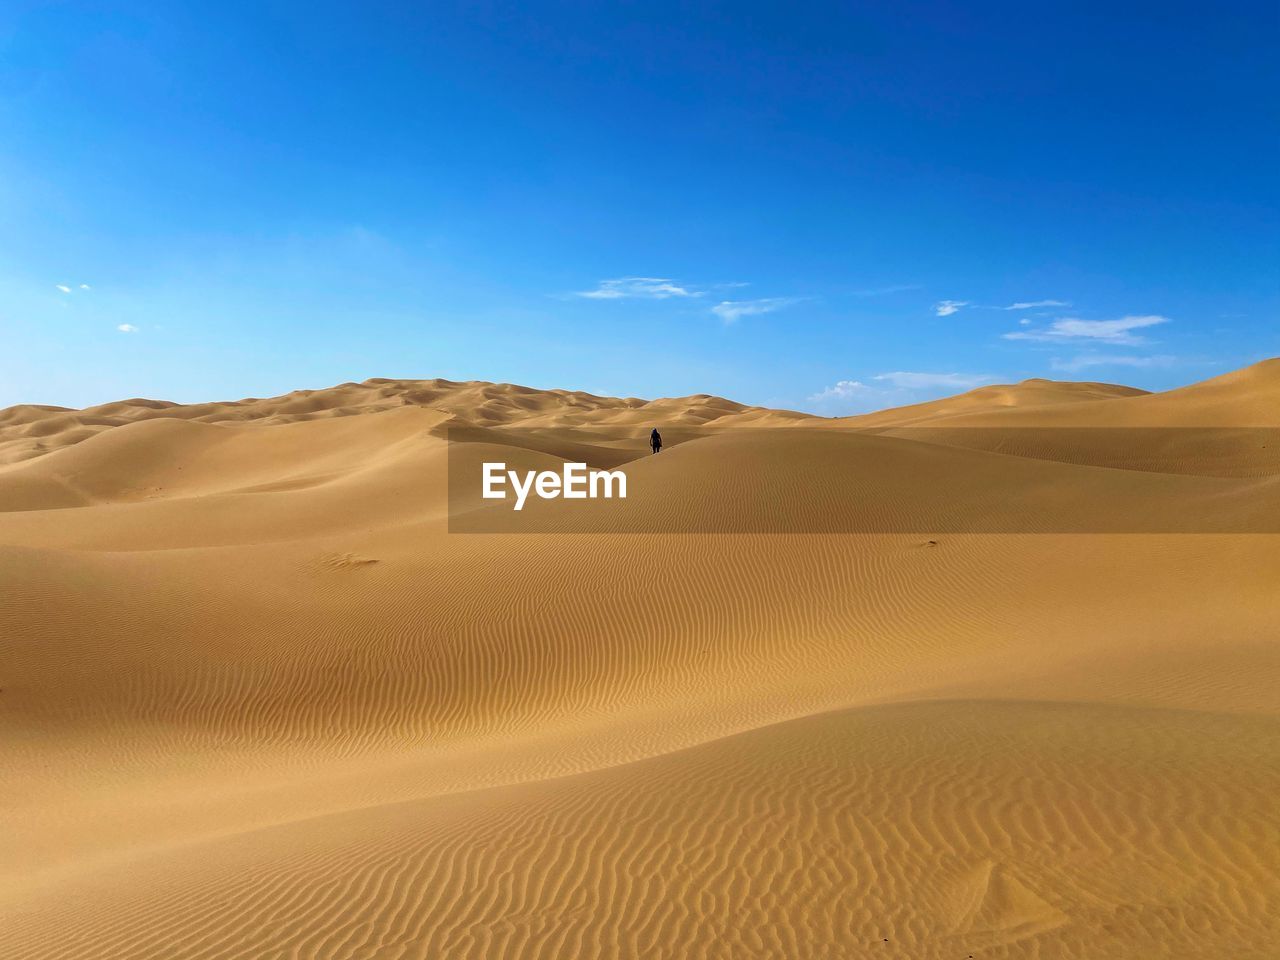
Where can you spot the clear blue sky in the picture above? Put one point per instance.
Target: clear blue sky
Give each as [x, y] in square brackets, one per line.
[825, 206]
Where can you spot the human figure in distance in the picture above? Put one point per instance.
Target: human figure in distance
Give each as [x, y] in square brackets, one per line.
[655, 440]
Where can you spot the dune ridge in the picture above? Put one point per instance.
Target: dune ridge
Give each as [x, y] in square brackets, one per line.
[259, 701]
[30, 430]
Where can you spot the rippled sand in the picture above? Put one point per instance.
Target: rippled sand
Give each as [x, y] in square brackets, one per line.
[258, 702]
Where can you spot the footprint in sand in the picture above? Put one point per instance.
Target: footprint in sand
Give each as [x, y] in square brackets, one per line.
[344, 561]
[990, 902]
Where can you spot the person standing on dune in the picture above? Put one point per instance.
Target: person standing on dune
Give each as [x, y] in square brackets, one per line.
[655, 440]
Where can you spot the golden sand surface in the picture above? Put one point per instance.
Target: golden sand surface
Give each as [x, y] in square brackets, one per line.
[257, 700]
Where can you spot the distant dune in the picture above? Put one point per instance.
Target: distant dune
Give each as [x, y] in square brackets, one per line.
[993, 401]
[1243, 398]
[818, 688]
[30, 431]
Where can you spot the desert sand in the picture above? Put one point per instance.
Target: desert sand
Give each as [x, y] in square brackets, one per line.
[849, 688]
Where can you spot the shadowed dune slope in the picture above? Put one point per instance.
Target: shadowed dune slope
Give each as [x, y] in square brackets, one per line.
[802, 693]
[826, 482]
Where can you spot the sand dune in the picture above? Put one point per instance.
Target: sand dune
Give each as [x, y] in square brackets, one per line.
[826, 689]
[994, 400]
[1228, 426]
[28, 431]
[1244, 398]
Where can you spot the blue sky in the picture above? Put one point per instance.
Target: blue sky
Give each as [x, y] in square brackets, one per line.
[827, 207]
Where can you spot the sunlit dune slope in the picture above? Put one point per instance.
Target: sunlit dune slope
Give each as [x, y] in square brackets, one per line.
[803, 693]
[993, 399]
[30, 431]
[781, 842]
[1244, 398]
[1228, 426]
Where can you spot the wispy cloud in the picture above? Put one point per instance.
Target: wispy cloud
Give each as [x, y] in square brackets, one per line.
[639, 288]
[85, 286]
[1118, 332]
[945, 308]
[730, 311]
[1087, 360]
[1032, 304]
[127, 328]
[662, 288]
[886, 291]
[63, 287]
[933, 381]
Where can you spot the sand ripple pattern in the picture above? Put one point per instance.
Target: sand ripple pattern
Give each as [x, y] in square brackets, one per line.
[256, 700]
[826, 836]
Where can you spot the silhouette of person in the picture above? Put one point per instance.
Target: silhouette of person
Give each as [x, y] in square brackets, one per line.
[655, 440]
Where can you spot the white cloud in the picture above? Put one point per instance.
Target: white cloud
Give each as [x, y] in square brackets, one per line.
[645, 288]
[1103, 331]
[843, 390]
[85, 286]
[945, 308]
[127, 328]
[1032, 304]
[852, 396]
[933, 381]
[732, 310]
[885, 291]
[900, 387]
[1025, 322]
[63, 287]
[1086, 360]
